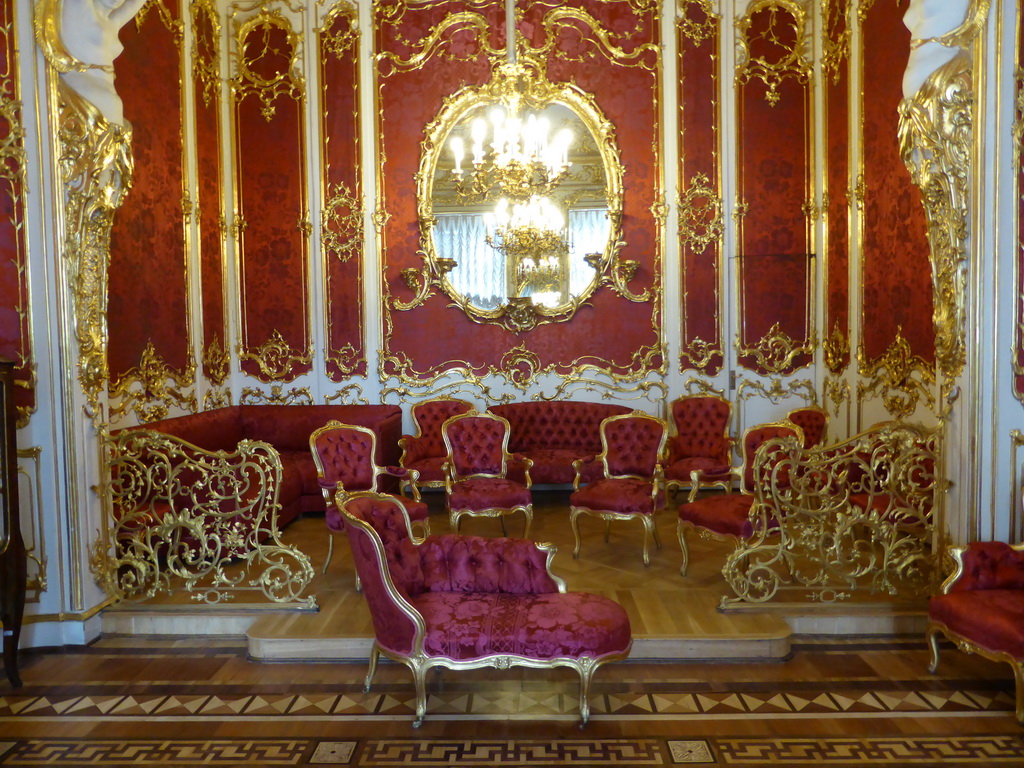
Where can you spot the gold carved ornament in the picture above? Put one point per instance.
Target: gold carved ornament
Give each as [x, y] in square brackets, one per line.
[776, 351]
[936, 134]
[95, 166]
[184, 519]
[1018, 172]
[792, 62]
[145, 389]
[350, 394]
[697, 31]
[275, 357]
[777, 392]
[216, 362]
[836, 349]
[893, 375]
[832, 521]
[277, 396]
[206, 50]
[287, 82]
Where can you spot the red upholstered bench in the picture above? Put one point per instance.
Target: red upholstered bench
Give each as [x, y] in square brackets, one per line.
[464, 602]
[981, 607]
[554, 434]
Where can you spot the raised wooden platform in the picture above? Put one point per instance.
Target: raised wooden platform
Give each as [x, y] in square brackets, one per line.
[673, 618]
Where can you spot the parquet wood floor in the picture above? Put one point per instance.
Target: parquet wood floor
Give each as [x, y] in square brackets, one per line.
[127, 701]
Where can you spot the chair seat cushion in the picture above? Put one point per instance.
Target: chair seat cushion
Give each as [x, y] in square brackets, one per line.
[626, 496]
[430, 469]
[680, 470]
[479, 493]
[991, 618]
[467, 626]
[725, 514]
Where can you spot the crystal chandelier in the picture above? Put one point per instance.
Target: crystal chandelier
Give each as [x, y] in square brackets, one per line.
[520, 161]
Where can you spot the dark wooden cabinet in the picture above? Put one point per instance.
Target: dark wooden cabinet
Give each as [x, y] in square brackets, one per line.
[13, 563]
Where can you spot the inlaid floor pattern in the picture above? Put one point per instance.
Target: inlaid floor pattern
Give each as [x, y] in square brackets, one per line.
[189, 703]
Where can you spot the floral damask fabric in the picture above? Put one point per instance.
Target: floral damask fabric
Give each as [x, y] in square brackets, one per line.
[467, 626]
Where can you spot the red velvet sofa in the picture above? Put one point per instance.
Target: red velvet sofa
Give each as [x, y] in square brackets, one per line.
[287, 428]
[981, 608]
[554, 434]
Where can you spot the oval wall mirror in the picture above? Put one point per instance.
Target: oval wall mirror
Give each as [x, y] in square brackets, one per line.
[520, 199]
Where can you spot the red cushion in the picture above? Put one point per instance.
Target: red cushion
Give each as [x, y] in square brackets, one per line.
[626, 496]
[455, 563]
[477, 444]
[479, 493]
[991, 565]
[992, 618]
[429, 416]
[473, 625]
[632, 445]
[725, 514]
[680, 470]
[565, 425]
[430, 469]
[700, 426]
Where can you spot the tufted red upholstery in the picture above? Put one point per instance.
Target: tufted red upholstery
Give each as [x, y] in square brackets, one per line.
[425, 451]
[813, 421]
[287, 428]
[727, 515]
[983, 604]
[344, 458]
[630, 486]
[457, 600]
[701, 442]
[554, 434]
[478, 480]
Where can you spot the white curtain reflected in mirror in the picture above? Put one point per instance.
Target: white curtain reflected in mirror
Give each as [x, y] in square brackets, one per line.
[482, 275]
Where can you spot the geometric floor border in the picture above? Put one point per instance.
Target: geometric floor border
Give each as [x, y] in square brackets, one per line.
[317, 703]
[988, 750]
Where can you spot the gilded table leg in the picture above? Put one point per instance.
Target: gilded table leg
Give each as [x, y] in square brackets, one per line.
[374, 658]
[933, 643]
[681, 534]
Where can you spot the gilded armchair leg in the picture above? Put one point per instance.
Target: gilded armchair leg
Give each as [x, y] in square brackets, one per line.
[419, 680]
[607, 530]
[528, 512]
[681, 534]
[933, 644]
[374, 658]
[657, 538]
[454, 520]
[648, 529]
[573, 516]
[330, 551]
[587, 668]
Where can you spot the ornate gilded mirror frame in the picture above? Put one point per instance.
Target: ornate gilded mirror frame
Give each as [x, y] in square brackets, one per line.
[522, 85]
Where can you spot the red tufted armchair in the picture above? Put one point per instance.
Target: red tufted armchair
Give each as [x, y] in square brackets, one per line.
[727, 516]
[425, 451]
[477, 470]
[701, 449]
[344, 458]
[981, 608]
[464, 602]
[632, 445]
[813, 421]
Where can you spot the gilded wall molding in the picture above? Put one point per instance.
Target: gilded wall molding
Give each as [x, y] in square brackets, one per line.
[153, 387]
[777, 391]
[795, 64]
[276, 396]
[30, 496]
[899, 377]
[350, 394]
[936, 140]
[95, 166]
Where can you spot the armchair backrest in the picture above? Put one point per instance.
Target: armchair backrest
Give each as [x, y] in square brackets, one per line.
[631, 445]
[986, 565]
[429, 415]
[701, 427]
[813, 421]
[754, 438]
[344, 453]
[387, 562]
[477, 444]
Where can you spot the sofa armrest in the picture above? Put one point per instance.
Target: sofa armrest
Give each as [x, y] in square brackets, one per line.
[986, 565]
[457, 563]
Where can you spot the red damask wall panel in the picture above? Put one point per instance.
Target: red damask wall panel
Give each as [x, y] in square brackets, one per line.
[342, 227]
[148, 283]
[837, 182]
[272, 220]
[775, 192]
[896, 270]
[700, 207]
[209, 202]
[15, 339]
[609, 332]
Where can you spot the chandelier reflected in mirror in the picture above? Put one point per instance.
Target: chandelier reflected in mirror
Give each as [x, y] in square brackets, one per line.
[520, 162]
[532, 237]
